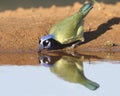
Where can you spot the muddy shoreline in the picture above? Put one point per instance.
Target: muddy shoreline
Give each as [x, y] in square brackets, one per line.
[32, 59]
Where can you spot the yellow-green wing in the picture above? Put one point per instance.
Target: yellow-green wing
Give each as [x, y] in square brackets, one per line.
[71, 28]
[65, 31]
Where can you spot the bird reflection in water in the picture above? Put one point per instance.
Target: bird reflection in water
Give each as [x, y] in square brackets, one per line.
[67, 67]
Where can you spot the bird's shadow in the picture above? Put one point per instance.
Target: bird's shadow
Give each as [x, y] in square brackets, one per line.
[91, 35]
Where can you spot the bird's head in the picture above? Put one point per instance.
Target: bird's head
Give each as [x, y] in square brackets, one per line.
[49, 42]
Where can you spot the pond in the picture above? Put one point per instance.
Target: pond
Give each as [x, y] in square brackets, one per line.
[59, 74]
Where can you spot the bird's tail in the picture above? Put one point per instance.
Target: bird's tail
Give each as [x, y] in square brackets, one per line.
[91, 85]
[86, 8]
[86, 82]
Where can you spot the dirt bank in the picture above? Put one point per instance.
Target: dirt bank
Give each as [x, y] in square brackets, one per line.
[21, 29]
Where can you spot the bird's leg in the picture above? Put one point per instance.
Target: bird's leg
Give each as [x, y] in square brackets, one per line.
[75, 44]
[70, 49]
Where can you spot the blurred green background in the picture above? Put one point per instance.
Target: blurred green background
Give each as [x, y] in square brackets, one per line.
[14, 4]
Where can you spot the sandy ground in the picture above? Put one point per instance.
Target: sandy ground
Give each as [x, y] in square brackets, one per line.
[21, 29]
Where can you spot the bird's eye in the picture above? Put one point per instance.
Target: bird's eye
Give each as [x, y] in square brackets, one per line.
[39, 41]
[45, 60]
[45, 43]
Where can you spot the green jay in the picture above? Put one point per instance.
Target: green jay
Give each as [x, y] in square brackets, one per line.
[67, 32]
[68, 68]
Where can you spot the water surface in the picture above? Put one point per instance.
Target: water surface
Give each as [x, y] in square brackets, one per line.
[61, 75]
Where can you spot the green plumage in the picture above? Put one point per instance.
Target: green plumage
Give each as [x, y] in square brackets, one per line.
[70, 29]
[71, 69]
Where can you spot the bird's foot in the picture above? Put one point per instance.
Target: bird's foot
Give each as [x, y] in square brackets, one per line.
[75, 44]
[70, 50]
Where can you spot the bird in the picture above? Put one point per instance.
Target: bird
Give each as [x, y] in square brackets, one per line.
[67, 32]
[68, 68]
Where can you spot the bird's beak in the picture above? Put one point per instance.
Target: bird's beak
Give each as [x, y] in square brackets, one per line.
[40, 48]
